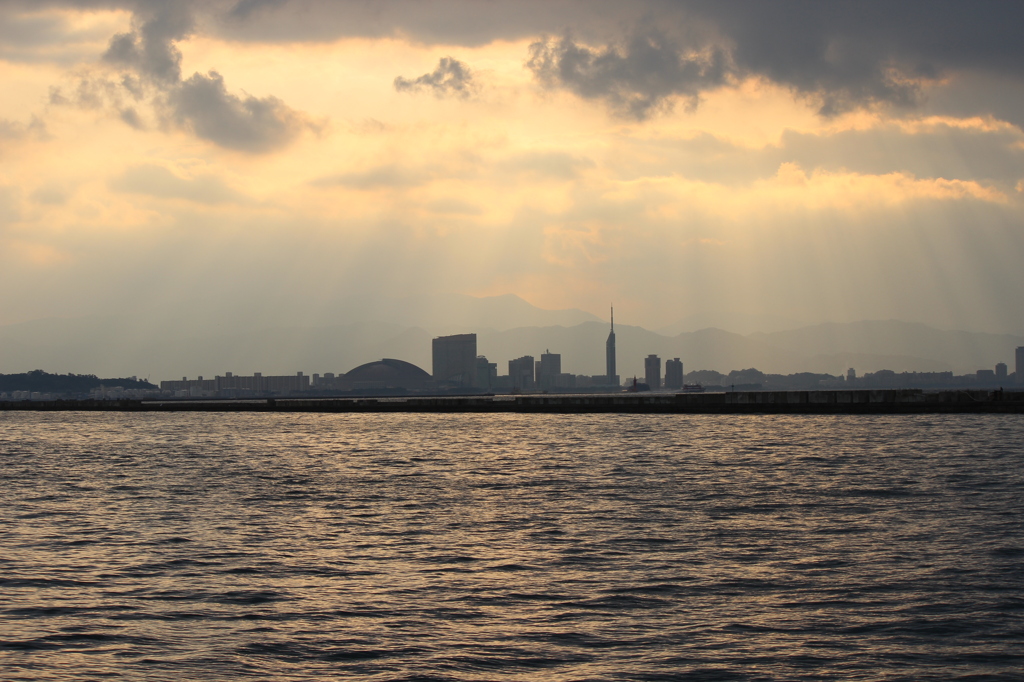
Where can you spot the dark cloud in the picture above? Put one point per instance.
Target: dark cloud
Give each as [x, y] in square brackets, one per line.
[28, 33]
[244, 9]
[149, 48]
[839, 54]
[130, 116]
[850, 52]
[203, 105]
[150, 74]
[200, 104]
[30, 30]
[450, 78]
[634, 79]
[439, 22]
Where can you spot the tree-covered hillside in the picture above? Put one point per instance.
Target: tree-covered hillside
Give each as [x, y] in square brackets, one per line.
[44, 382]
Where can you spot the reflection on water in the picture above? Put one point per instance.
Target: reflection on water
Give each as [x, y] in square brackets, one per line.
[481, 547]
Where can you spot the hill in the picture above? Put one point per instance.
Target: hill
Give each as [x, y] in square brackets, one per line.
[171, 347]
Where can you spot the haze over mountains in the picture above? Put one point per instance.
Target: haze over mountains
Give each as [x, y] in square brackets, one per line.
[353, 331]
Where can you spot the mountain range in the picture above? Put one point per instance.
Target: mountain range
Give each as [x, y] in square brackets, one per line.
[203, 341]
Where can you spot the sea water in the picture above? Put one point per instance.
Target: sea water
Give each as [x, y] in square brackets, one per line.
[510, 547]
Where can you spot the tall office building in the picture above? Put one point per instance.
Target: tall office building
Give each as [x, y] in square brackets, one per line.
[674, 373]
[609, 355]
[486, 373]
[1019, 369]
[455, 359]
[652, 371]
[520, 372]
[548, 369]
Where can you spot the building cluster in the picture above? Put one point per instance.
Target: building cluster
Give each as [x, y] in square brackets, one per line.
[754, 380]
[99, 393]
[997, 377]
[28, 395]
[458, 367]
[231, 385]
[456, 364]
[673, 373]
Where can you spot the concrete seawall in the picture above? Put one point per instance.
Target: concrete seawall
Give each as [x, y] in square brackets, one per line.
[742, 402]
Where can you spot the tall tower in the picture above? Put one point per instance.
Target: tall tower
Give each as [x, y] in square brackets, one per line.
[609, 354]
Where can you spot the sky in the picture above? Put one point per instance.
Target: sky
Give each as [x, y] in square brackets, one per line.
[816, 162]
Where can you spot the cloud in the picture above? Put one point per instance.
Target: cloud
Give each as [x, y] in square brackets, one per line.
[51, 194]
[839, 55]
[130, 116]
[200, 105]
[244, 9]
[535, 165]
[986, 152]
[157, 181]
[386, 177]
[854, 191]
[849, 54]
[42, 32]
[15, 130]
[454, 207]
[149, 48]
[552, 164]
[442, 22]
[10, 205]
[634, 80]
[203, 105]
[150, 82]
[450, 78]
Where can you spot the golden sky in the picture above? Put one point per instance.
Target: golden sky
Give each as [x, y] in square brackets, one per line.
[675, 158]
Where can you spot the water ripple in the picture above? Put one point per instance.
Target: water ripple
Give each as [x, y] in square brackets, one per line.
[486, 547]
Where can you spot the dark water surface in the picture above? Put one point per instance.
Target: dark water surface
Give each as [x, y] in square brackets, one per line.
[527, 547]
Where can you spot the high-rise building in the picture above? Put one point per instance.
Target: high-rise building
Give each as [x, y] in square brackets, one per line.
[1019, 369]
[652, 371]
[674, 373]
[609, 355]
[455, 359]
[548, 369]
[486, 373]
[520, 373]
[1001, 371]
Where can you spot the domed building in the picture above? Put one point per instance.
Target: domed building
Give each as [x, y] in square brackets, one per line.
[387, 373]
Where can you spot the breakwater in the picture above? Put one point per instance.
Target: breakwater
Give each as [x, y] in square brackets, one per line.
[908, 401]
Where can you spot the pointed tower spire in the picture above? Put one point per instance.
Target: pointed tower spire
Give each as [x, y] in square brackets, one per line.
[609, 349]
